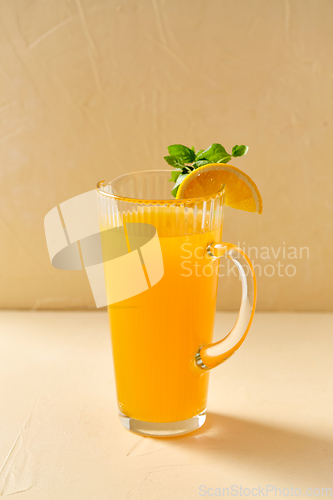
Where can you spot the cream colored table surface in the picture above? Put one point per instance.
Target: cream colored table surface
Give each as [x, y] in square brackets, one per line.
[269, 424]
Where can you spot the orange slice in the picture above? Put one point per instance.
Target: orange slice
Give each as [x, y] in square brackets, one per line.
[240, 190]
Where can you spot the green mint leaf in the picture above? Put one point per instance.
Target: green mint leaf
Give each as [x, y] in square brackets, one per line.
[174, 191]
[199, 163]
[185, 159]
[183, 152]
[225, 159]
[174, 175]
[239, 150]
[215, 153]
[178, 182]
[198, 153]
[174, 161]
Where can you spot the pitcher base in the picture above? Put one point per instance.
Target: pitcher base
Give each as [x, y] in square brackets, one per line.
[163, 429]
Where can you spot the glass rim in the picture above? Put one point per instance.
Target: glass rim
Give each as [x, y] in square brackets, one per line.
[168, 201]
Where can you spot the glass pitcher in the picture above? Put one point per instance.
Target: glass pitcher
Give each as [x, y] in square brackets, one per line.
[162, 337]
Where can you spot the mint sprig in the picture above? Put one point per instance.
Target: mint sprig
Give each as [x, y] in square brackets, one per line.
[185, 159]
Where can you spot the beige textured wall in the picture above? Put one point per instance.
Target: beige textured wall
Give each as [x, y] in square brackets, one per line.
[90, 89]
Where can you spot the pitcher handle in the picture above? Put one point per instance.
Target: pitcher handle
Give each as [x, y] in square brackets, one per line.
[211, 355]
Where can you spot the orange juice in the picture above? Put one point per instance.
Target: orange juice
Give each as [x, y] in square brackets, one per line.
[156, 334]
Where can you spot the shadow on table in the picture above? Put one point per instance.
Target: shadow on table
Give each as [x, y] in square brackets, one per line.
[265, 447]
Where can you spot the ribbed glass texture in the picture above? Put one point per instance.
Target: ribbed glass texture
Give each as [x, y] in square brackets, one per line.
[156, 333]
[146, 197]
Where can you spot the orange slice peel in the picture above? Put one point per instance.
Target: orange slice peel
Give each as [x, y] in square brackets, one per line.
[240, 190]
